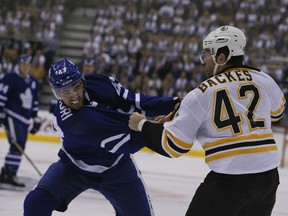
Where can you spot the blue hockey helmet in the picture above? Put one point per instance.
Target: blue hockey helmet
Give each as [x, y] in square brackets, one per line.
[25, 58]
[63, 74]
[89, 61]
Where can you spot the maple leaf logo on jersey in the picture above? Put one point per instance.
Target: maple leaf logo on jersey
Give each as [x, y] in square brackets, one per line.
[26, 99]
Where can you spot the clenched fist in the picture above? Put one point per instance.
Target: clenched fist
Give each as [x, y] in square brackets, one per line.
[134, 120]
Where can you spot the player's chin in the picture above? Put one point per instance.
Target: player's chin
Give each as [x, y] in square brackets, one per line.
[75, 106]
[208, 71]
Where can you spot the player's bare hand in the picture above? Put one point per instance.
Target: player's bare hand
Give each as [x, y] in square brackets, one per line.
[159, 119]
[135, 118]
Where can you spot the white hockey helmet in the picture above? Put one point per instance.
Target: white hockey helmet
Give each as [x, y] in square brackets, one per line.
[229, 36]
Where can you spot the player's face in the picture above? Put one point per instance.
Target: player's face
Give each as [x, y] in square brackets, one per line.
[88, 68]
[73, 96]
[208, 62]
[25, 68]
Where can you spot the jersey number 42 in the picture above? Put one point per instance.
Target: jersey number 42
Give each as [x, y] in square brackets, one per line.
[225, 115]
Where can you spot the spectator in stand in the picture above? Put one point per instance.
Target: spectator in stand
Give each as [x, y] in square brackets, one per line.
[89, 66]
[38, 62]
[182, 81]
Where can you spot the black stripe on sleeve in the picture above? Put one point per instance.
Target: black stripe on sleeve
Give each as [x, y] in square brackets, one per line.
[176, 148]
[240, 145]
[278, 117]
[152, 137]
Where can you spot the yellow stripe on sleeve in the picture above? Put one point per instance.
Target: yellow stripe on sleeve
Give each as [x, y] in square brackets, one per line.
[237, 138]
[179, 143]
[172, 152]
[280, 110]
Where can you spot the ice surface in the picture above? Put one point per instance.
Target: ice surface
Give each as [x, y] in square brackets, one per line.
[171, 183]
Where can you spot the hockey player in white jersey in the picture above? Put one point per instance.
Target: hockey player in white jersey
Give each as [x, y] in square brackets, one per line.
[230, 114]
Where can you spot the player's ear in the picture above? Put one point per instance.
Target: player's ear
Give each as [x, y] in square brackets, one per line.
[221, 58]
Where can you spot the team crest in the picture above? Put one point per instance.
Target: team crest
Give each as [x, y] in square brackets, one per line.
[224, 28]
[27, 99]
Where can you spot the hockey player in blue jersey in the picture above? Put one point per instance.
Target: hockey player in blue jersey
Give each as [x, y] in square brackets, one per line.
[91, 118]
[18, 105]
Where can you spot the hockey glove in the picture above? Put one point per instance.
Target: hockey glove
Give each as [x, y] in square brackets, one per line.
[36, 125]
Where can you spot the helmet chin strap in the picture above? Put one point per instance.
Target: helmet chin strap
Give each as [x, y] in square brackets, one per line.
[217, 65]
[56, 94]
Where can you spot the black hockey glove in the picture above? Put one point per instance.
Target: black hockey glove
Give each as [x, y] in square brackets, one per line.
[36, 125]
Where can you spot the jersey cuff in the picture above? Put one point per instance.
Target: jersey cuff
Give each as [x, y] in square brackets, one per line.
[140, 124]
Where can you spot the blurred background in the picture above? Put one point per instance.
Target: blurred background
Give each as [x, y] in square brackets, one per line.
[149, 46]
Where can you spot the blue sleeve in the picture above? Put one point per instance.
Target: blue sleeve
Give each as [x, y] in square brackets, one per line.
[127, 101]
[4, 95]
[147, 105]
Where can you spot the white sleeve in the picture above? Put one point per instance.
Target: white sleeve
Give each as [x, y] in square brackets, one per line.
[192, 113]
[278, 102]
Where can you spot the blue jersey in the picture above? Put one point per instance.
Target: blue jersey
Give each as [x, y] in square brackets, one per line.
[18, 97]
[97, 136]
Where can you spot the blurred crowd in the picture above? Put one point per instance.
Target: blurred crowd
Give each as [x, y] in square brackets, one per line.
[30, 27]
[153, 46]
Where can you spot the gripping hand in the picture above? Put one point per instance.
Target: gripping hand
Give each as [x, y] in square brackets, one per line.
[36, 125]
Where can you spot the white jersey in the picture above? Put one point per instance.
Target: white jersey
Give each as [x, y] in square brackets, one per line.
[230, 115]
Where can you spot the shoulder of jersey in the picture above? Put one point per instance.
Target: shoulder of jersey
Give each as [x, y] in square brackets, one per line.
[230, 75]
[10, 76]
